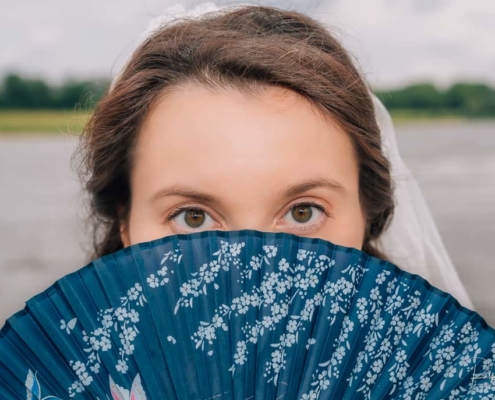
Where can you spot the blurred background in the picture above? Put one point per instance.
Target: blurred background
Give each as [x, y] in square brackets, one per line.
[431, 62]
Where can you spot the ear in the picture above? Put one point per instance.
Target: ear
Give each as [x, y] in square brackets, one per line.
[137, 391]
[124, 230]
[124, 235]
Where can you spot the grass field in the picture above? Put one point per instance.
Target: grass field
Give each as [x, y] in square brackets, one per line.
[413, 116]
[42, 121]
[54, 122]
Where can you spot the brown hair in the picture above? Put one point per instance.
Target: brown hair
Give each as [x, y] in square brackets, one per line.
[246, 47]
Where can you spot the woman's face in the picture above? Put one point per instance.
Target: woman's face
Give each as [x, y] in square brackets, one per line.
[222, 160]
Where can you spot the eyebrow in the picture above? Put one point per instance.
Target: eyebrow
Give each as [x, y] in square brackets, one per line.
[294, 190]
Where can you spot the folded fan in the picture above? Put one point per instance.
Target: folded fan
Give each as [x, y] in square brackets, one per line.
[241, 315]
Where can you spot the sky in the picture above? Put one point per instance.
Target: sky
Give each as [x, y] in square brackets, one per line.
[395, 42]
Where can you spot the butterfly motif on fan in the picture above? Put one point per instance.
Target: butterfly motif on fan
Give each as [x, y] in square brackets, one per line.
[117, 392]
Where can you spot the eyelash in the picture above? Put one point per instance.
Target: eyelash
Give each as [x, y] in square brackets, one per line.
[310, 204]
[319, 207]
[179, 210]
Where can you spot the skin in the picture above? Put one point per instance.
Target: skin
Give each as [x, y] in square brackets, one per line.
[245, 152]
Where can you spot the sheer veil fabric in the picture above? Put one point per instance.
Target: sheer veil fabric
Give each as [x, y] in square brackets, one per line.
[412, 240]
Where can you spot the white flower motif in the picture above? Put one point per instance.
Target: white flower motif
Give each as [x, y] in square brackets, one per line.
[448, 352]
[78, 367]
[339, 352]
[401, 356]
[240, 355]
[128, 347]
[381, 278]
[425, 384]
[283, 265]
[466, 329]
[152, 280]
[235, 249]
[95, 368]
[401, 372]
[255, 263]
[122, 366]
[391, 285]
[465, 360]
[375, 294]
[370, 378]
[133, 293]
[99, 332]
[121, 313]
[95, 343]
[290, 339]
[270, 251]
[133, 315]
[107, 321]
[385, 346]
[362, 303]
[105, 344]
[85, 378]
[292, 326]
[313, 280]
[438, 365]
[409, 382]
[415, 302]
[301, 254]
[450, 371]
[186, 289]
[377, 365]
[267, 321]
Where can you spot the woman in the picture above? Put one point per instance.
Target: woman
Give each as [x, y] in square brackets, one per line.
[252, 118]
[249, 118]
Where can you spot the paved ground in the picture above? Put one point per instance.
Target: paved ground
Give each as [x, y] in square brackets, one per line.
[40, 213]
[455, 167]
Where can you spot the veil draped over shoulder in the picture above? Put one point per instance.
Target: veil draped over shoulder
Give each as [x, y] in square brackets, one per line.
[411, 240]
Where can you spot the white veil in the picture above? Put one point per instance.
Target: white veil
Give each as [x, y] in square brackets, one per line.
[412, 240]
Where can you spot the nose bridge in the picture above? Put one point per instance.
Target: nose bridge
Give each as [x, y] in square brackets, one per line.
[249, 197]
[250, 212]
[250, 219]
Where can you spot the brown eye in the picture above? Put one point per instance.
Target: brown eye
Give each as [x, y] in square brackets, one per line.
[302, 213]
[191, 219]
[194, 218]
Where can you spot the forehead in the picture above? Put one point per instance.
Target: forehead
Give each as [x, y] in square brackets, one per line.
[208, 137]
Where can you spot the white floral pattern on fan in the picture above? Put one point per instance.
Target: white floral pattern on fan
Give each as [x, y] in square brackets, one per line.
[122, 319]
[273, 294]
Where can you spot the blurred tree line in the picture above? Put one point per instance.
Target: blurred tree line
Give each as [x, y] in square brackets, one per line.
[463, 99]
[17, 92]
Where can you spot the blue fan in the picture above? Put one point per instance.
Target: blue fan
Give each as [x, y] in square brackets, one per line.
[244, 315]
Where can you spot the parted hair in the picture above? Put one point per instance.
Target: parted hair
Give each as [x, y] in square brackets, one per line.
[247, 48]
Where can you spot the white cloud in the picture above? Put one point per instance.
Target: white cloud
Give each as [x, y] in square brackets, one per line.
[401, 42]
[395, 42]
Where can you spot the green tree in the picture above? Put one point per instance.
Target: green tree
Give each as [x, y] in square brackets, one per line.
[18, 92]
[471, 99]
[419, 96]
